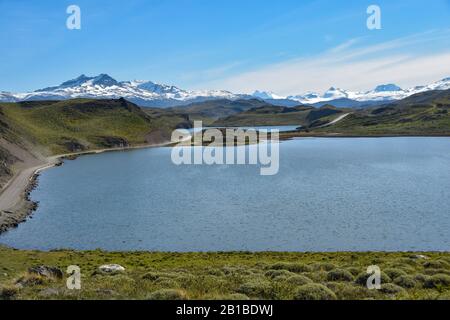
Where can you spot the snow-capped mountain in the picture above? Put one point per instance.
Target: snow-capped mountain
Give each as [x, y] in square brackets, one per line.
[144, 93]
[148, 93]
[382, 93]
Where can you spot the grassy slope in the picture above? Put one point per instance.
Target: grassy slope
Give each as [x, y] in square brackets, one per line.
[422, 114]
[210, 111]
[274, 115]
[224, 275]
[86, 124]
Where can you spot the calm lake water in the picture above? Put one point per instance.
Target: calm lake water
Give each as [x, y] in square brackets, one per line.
[329, 195]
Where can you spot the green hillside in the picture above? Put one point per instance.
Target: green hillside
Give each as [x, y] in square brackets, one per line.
[421, 114]
[274, 115]
[210, 111]
[78, 125]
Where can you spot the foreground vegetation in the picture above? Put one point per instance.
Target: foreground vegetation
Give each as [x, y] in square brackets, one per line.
[239, 276]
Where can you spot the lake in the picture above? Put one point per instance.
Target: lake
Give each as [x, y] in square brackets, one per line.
[336, 194]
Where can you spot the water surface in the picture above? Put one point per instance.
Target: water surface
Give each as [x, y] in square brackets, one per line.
[329, 195]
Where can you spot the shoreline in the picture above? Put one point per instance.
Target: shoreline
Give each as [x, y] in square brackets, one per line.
[16, 205]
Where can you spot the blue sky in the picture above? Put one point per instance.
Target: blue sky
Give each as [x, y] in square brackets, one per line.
[286, 46]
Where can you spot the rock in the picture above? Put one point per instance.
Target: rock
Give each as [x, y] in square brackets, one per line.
[111, 268]
[46, 271]
[419, 256]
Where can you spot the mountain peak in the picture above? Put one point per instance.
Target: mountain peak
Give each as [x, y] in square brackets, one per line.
[104, 80]
[387, 88]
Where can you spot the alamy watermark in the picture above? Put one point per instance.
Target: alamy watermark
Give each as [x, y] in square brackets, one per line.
[374, 279]
[73, 22]
[74, 279]
[374, 19]
[227, 146]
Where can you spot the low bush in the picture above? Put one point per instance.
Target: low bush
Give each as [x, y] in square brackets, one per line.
[323, 266]
[394, 272]
[168, 294]
[278, 273]
[314, 291]
[291, 266]
[353, 270]
[391, 288]
[437, 264]
[361, 279]
[437, 281]
[256, 288]
[405, 281]
[347, 290]
[431, 272]
[298, 280]
[339, 275]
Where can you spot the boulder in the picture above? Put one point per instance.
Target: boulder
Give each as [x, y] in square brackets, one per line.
[111, 268]
[46, 271]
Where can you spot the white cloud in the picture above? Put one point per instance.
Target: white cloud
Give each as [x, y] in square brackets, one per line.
[401, 61]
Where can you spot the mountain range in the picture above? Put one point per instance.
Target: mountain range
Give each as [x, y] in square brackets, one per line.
[151, 94]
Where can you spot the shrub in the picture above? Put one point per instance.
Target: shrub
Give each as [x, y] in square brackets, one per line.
[298, 280]
[167, 283]
[394, 272]
[422, 278]
[353, 270]
[214, 272]
[168, 294]
[361, 279]
[323, 266]
[8, 292]
[437, 281]
[291, 266]
[317, 276]
[405, 281]
[256, 288]
[431, 272]
[152, 276]
[32, 280]
[277, 273]
[438, 264]
[391, 288]
[347, 291]
[314, 291]
[339, 275]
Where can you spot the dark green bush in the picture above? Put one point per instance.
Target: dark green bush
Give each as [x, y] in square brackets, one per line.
[431, 272]
[353, 270]
[361, 279]
[437, 264]
[256, 288]
[323, 266]
[277, 273]
[291, 266]
[394, 272]
[347, 290]
[391, 288]
[437, 281]
[339, 275]
[314, 291]
[405, 281]
[298, 280]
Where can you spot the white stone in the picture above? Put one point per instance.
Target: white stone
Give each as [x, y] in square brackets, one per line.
[111, 268]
